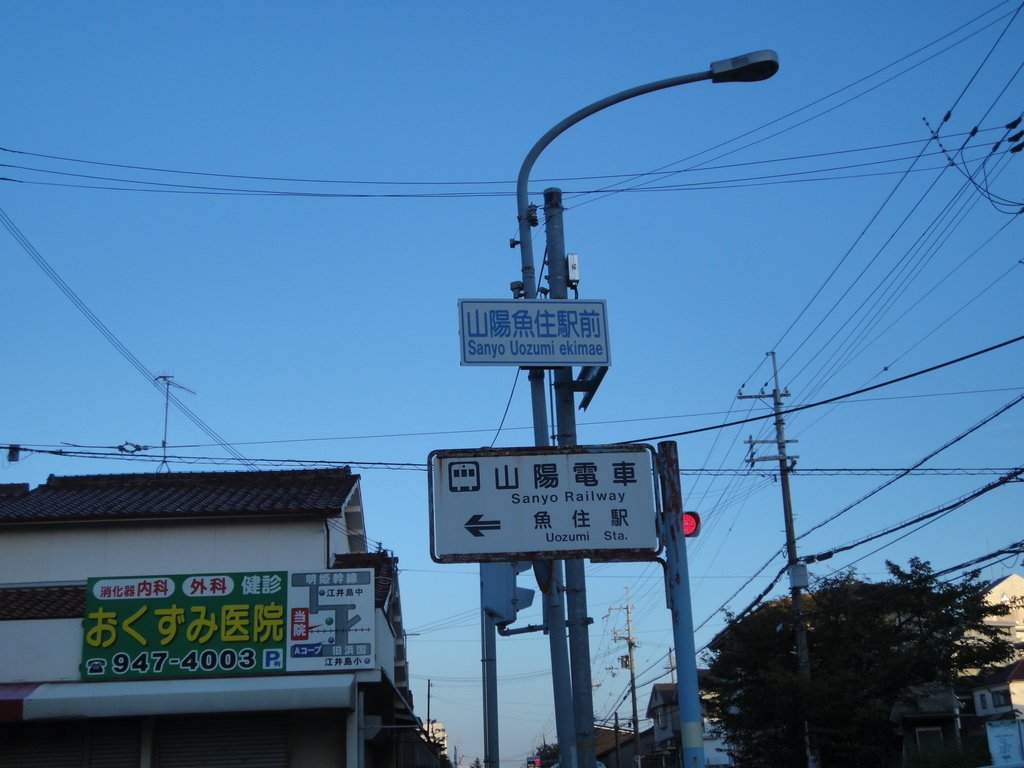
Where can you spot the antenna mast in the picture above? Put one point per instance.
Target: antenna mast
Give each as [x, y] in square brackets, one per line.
[169, 382]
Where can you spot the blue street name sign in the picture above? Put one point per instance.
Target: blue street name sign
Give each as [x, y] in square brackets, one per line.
[534, 333]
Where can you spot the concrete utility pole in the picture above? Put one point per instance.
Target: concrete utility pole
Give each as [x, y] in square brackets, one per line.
[631, 661]
[797, 570]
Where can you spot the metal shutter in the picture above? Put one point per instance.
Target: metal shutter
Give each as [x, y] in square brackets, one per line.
[115, 743]
[42, 745]
[71, 744]
[254, 740]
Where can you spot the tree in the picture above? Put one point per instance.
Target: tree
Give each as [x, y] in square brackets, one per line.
[476, 763]
[548, 754]
[872, 646]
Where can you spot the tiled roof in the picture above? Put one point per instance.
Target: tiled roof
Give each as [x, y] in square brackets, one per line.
[176, 495]
[1014, 671]
[385, 568]
[58, 602]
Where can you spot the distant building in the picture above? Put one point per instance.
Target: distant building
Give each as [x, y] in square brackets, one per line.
[617, 748]
[940, 717]
[227, 618]
[1009, 591]
[438, 734]
[663, 709]
[999, 694]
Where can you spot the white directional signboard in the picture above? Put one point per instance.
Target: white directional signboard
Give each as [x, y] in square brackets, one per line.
[536, 503]
[542, 334]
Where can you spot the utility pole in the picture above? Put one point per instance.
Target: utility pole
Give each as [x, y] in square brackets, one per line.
[618, 745]
[797, 570]
[575, 577]
[631, 661]
[554, 608]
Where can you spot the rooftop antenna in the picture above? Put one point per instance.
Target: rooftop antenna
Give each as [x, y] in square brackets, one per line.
[169, 382]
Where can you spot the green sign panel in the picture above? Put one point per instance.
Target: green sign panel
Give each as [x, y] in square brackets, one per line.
[250, 623]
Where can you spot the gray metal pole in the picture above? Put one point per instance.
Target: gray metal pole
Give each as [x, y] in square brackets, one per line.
[522, 182]
[489, 645]
[750, 67]
[691, 751]
[747, 68]
[575, 573]
[554, 613]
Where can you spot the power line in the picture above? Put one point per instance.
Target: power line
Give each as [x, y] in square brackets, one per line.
[806, 406]
[900, 474]
[488, 430]
[971, 430]
[926, 517]
[854, 471]
[612, 191]
[404, 183]
[134, 451]
[109, 335]
[1017, 548]
[251, 463]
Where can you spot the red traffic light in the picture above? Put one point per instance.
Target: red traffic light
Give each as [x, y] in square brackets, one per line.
[689, 522]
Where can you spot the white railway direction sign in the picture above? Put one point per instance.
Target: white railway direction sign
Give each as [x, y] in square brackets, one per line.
[538, 503]
[534, 333]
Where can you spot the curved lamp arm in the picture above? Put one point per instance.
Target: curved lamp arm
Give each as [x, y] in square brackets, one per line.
[750, 67]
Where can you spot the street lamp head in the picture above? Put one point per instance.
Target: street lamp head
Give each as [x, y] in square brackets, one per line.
[748, 68]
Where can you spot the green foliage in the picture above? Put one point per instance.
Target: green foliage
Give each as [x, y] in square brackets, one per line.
[871, 645]
[548, 754]
[973, 752]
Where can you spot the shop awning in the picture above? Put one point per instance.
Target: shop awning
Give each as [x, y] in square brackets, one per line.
[46, 701]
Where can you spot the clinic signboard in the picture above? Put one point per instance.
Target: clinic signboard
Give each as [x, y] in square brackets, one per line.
[228, 624]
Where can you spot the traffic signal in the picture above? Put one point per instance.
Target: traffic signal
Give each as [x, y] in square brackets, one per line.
[689, 522]
[500, 596]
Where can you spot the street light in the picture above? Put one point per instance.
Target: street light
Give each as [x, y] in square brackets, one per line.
[750, 67]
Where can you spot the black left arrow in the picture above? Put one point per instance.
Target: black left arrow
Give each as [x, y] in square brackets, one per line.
[476, 525]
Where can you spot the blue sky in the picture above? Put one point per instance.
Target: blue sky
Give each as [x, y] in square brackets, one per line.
[316, 320]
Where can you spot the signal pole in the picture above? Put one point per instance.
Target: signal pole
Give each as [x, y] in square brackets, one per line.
[797, 570]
